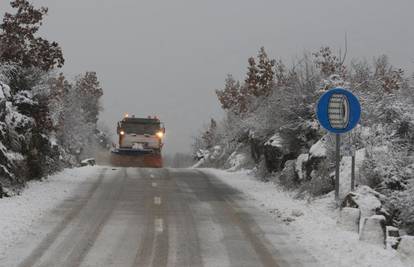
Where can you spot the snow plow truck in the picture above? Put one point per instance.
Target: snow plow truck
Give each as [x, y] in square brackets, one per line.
[140, 142]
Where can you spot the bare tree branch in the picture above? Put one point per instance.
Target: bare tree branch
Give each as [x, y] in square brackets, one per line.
[346, 49]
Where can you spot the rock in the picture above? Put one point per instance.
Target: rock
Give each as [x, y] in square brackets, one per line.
[288, 176]
[392, 237]
[318, 150]
[406, 248]
[239, 159]
[364, 198]
[88, 162]
[373, 230]
[276, 153]
[349, 219]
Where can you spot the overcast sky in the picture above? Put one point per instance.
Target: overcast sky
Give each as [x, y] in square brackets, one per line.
[167, 57]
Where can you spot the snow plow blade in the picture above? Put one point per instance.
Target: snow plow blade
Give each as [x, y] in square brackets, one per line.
[135, 158]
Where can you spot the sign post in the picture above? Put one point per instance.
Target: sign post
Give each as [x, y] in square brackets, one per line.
[337, 163]
[338, 111]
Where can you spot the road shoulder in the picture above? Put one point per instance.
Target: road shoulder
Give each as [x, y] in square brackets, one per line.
[312, 224]
[21, 215]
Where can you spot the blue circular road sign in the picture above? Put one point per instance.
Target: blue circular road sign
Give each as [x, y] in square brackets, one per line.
[338, 110]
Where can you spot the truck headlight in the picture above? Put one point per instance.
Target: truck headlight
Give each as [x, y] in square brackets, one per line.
[160, 135]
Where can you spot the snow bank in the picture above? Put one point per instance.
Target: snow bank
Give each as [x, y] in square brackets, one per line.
[406, 247]
[20, 213]
[317, 228]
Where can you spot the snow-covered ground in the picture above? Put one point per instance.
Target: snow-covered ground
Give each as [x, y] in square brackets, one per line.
[20, 213]
[313, 223]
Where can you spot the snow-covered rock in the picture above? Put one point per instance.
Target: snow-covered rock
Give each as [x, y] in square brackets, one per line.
[392, 237]
[236, 161]
[318, 150]
[364, 198]
[88, 162]
[406, 248]
[372, 230]
[288, 176]
[202, 154]
[349, 219]
[216, 152]
[275, 151]
[276, 141]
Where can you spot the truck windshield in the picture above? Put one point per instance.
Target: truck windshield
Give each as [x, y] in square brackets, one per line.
[138, 128]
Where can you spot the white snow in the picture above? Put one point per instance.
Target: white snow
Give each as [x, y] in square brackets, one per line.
[406, 247]
[53, 140]
[24, 97]
[302, 158]
[14, 118]
[21, 212]
[317, 228]
[318, 149]
[275, 141]
[10, 155]
[236, 160]
[4, 90]
[368, 200]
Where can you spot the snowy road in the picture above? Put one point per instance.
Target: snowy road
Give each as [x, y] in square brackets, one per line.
[157, 217]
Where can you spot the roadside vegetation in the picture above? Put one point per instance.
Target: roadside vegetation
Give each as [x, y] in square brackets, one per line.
[47, 122]
[270, 127]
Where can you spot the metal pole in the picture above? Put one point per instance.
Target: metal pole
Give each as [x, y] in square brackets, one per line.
[353, 171]
[337, 161]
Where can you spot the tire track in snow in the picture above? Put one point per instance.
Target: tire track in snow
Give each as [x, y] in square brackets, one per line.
[51, 237]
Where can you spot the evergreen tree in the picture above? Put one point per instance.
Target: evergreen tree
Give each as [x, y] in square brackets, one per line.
[266, 74]
[252, 79]
[89, 93]
[228, 97]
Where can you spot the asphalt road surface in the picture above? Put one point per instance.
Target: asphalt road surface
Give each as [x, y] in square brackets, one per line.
[158, 217]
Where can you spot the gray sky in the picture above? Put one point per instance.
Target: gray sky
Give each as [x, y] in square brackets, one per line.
[167, 57]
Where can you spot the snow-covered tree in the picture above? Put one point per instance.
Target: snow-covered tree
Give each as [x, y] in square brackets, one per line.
[231, 97]
[281, 74]
[328, 63]
[89, 92]
[19, 43]
[266, 73]
[252, 79]
[279, 130]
